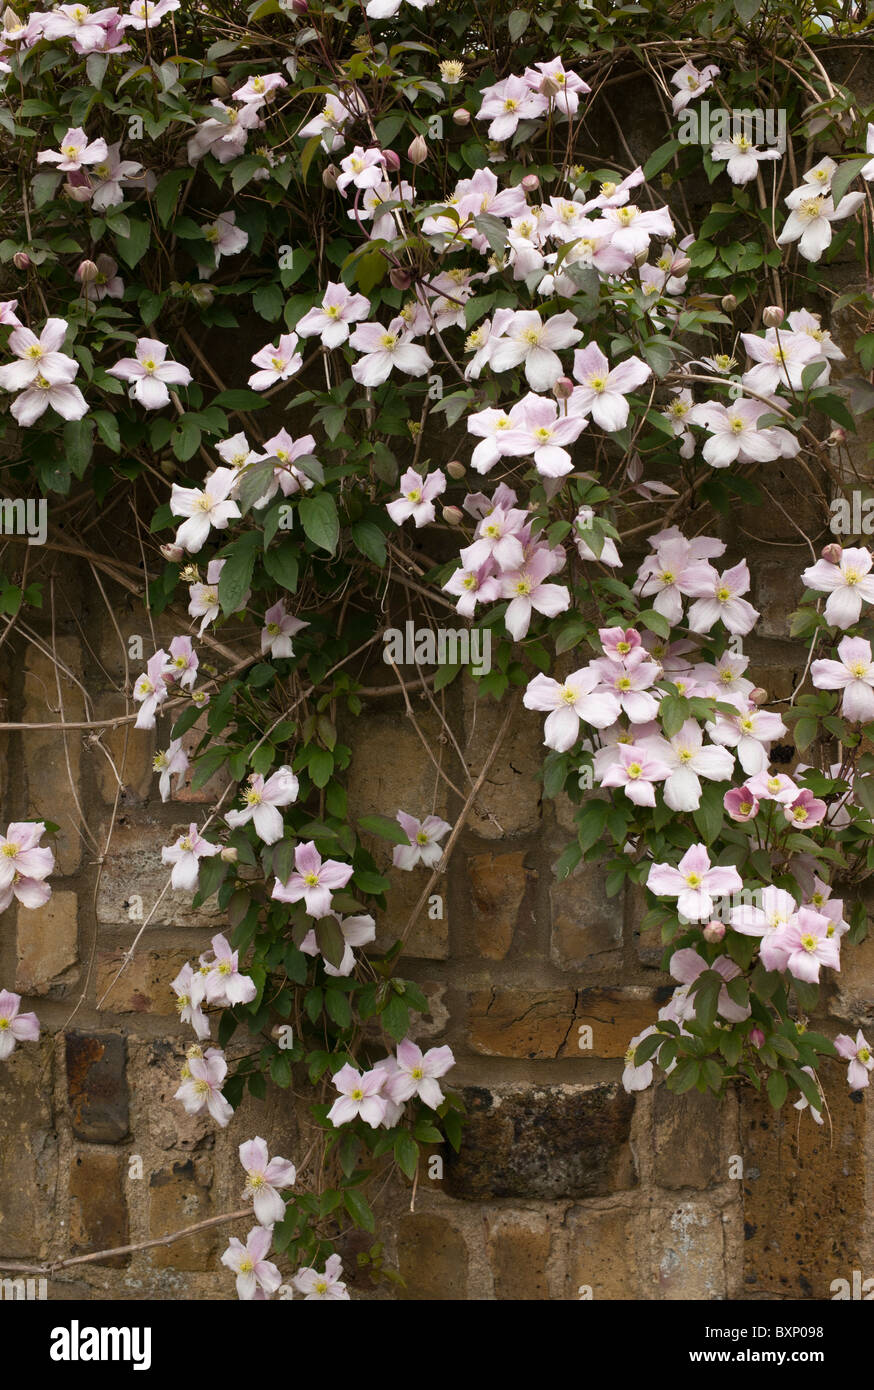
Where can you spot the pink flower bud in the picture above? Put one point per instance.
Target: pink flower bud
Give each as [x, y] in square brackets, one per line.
[773, 316]
[453, 516]
[21, 260]
[300, 6]
[173, 553]
[202, 295]
[86, 272]
[680, 265]
[456, 469]
[221, 86]
[392, 161]
[549, 87]
[641, 258]
[531, 183]
[729, 303]
[563, 388]
[757, 1037]
[229, 854]
[79, 192]
[418, 151]
[461, 116]
[713, 932]
[758, 696]
[400, 278]
[837, 436]
[832, 553]
[330, 175]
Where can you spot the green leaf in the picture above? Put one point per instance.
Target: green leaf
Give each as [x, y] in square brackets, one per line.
[673, 712]
[370, 541]
[844, 176]
[386, 828]
[281, 564]
[777, 1088]
[406, 1152]
[395, 1018]
[517, 23]
[320, 522]
[79, 444]
[747, 9]
[358, 1208]
[133, 247]
[236, 576]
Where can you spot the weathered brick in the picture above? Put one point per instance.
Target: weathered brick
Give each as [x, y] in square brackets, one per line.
[144, 985]
[28, 1153]
[432, 1257]
[550, 1023]
[47, 945]
[180, 1196]
[509, 802]
[52, 758]
[212, 787]
[687, 1243]
[131, 751]
[133, 868]
[97, 1086]
[518, 1246]
[155, 1075]
[429, 936]
[601, 1254]
[544, 1142]
[98, 1211]
[585, 923]
[690, 1150]
[497, 887]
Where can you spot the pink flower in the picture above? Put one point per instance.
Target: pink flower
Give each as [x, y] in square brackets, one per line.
[189, 987]
[719, 600]
[734, 432]
[750, 732]
[223, 983]
[568, 702]
[858, 1054]
[225, 238]
[24, 864]
[810, 217]
[325, 1285]
[384, 349]
[416, 1073]
[570, 86]
[173, 761]
[675, 568]
[853, 674]
[691, 83]
[528, 592]
[774, 786]
[741, 803]
[286, 476]
[803, 1102]
[15, 1027]
[498, 540]
[279, 628]
[630, 682]
[277, 362]
[38, 357]
[634, 1077]
[602, 392]
[146, 14]
[539, 430]
[247, 1261]
[313, 880]
[264, 1177]
[67, 400]
[356, 931]
[693, 883]
[106, 284]
[686, 965]
[201, 1089]
[262, 802]
[689, 760]
[780, 359]
[185, 855]
[423, 837]
[473, 586]
[151, 373]
[529, 342]
[806, 810]
[331, 319]
[75, 151]
[808, 945]
[775, 909]
[182, 662]
[360, 1096]
[417, 497]
[635, 769]
[742, 158]
[260, 89]
[847, 583]
[112, 175]
[507, 103]
[151, 689]
[363, 168]
[205, 508]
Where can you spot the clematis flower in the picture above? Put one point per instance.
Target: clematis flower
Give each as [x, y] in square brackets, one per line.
[634, 1077]
[867, 170]
[38, 357]
[772, 911]
[507, 103]
[151, 373]
[313, 880]
[423, 836]
[686, 965]
[416, 1073]
[263, 800]
[636, 770]
[264, 1178]
[225, 238]
[260, 88]
[528, 592]
[809, 946]
[417, 497]
[853, 674]
[201, 1089]
[568, 702]
[329, 122]
[24, 865]
[539, 430]
[602, 392]
[734, 432]
[384, 349]
[847, 583]
[276, 362]
[151, 690]
[741, 156]
[204, 602]
[473, 586]
[106, 284]
[205, 508]
[857, 1053]
[75, 150]
[182, 662]
[718, 600]
[810, 219]
[671, 572]
[750, 732]
[113, 174]
[146, 14]
[570, 86]
[693, 883]
[802, 1103]
[185, 855]
[189, 988]
[248, 1262]
[356, 931]
[15, 1027]
[689, 760]
[279, 628]
[172, 762]
[609, 554]
[806, 810]
[631, 681]
[360, 1097]
[773, 786]
[691, 83]
[325, 1284]
[331, 319]
[529, 342]
[223, 982]
[63, 397]
[363, 168]
[780, 358]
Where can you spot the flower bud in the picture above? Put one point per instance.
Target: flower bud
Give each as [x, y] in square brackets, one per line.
[173, 553]
[758, 696]
[456, 469]
[400, 278]
[418, 151]
[729, 303]
[453, 516]
[549, 87]
[680, 265]
[714, 932]
[300, 6]
[837, 436]
[461, 116]
[21, 260]
[86, 272]
[229, 854]
[531, 183]
[202, 295]
[79, 192]
[168, 467]
[641, 258]
[391, 160]
[563, 388]
[773, 316]
[221, 86]
[832, 553]
[757, 1037]
[330, 175]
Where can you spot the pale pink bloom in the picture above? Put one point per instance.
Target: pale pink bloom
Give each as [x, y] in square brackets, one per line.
[499, 539]
[609, 554]
[278, 630]
[636, 769]
[481, 193]
[185, 855]
[205, 508]
[356, 931]
[15, 1027]
[540, 430]
[847, 583]
[810, 219]
[802, 321]
[742, 157]
[773, 786]
[568, 702]
[107, 283]
[853, 674]
[331, 319]
[67, 400]
[669, 574]
[313, 880]
[384, 349]
[417, 497]
[473, 586]
[262, 802]
[151, 689]
[326, 1284]
[38, 357]
[204, 602]
[225, 139]
[225, 238]
[691, 83]
[806, 810]
[329, 122]
[686, 965]
[287, 477]
[750, 732]
[150, 373]
[493, 426]
[248, 1262]
[393, 1111]
[360, 1097]
[417, 1073]
[630, 229]
[145, 14]
[858, 1054]
[689, 760]
[173, 761]
[87, 29]
[75, 151]
[224, 984]
[570, 86]
[423, 837]
[693, 883]
[528, 592]
[182, 663]
[780, 358]
[809, 946]
[8, 314]
[631, 682]
[613, 194]
[833, 908]
[867, 171]
[260, 89]
[802, 1103]
[277, 362]
[725, 679]
[774, 909]
[528, 341]
[189, 987]
[113, 174]
[634, 1077]
[482, 341]
[264, 1177]
[362, 168]
[719, 600]
[602, 392]
[24, 863]
[201, 1089]
[734, 433]
[618, 643]
[507, 103]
